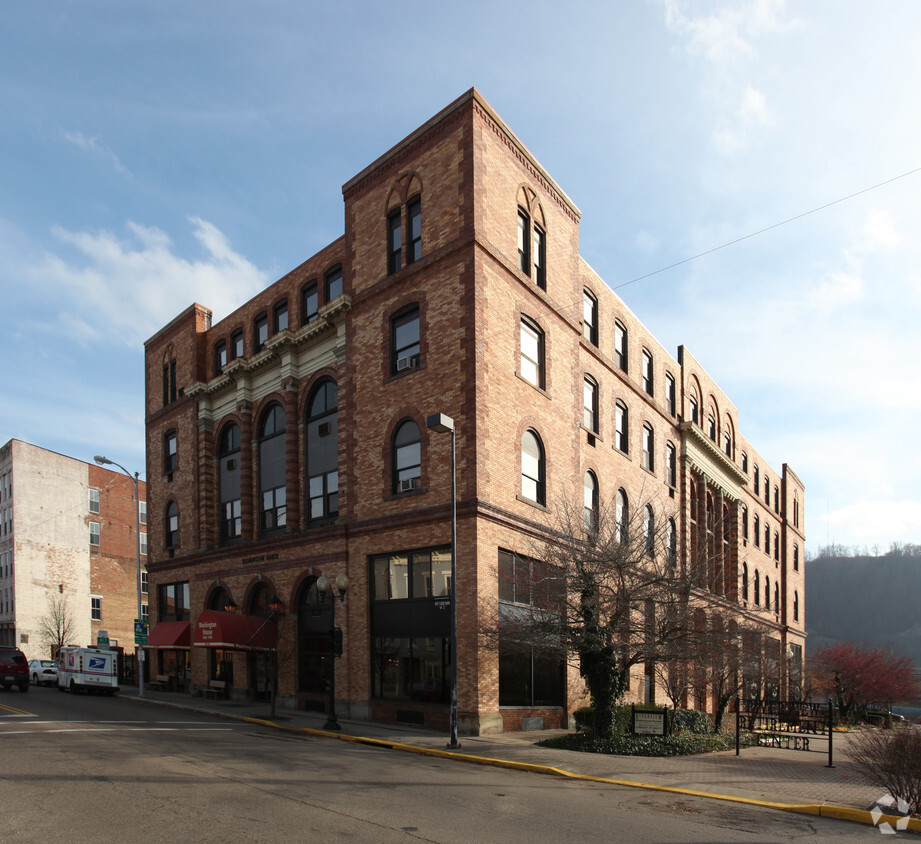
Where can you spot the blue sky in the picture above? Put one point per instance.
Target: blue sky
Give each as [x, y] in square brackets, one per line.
[156, 154]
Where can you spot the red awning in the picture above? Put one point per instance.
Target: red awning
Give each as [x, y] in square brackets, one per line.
[235, 632]
[170, 634]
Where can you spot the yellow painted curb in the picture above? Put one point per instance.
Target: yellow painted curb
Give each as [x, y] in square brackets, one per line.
[821, 809]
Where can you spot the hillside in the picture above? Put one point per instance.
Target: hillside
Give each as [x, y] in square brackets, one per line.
[872, 600]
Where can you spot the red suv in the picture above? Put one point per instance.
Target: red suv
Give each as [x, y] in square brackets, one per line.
[14, 669]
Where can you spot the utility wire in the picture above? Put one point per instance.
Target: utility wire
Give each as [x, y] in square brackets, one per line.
[766, 229]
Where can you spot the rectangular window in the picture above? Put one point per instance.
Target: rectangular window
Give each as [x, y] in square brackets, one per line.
[310, 302]
[648, 381]
[405, 340]
[143, 542]
[414, 221]
[590, 405]
[620, 345]
[333, 284]
[170, 452]
[143, 582]
[394, 241]
[94, 533]
[94, 500]
[142, 512]
[236, 345]
[173, 601]
[590, 317]
[96, 607]
[532, 353]
[145, 612]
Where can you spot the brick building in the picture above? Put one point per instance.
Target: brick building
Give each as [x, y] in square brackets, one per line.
[68, 552]
[290, 440]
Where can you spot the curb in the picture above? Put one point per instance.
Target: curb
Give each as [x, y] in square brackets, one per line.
[824, 810]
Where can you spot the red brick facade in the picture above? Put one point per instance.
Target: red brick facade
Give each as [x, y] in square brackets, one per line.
[473, 177]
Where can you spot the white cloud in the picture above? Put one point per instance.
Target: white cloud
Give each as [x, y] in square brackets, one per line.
[92, 144]
[129, 287]
[866, 521]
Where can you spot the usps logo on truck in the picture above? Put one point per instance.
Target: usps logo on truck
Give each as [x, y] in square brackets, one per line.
[97, 663]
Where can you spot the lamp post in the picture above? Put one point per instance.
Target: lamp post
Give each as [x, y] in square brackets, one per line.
[104, 461]
[275, 609]
[442, 424]
[335, 639]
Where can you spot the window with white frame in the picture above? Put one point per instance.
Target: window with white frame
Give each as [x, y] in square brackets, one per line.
[94, 500]
[142, 512]
[96, 607]
[94, 533]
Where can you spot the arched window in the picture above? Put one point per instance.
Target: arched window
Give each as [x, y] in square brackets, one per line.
[744, 581]
[532, 352]
[621, 515]
[533, 481]
[220, 600]
[590, 404]
[649, 531]
[620, 344]
[757, 582]
[744, 524]
[407, 456]
[258, 604]
[649, 444]
[229, 479]
[647, 373]
[272, 445]
[671, 465]
[621, 427]
[796, 606]
[672, 543]
[590, 497]
[323, 452]
[313, 645]
[767, 593]
[776, 597]
[756, 530]
[172, 525]
[711, 426]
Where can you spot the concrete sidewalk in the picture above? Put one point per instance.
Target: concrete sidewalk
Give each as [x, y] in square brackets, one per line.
[782, 779]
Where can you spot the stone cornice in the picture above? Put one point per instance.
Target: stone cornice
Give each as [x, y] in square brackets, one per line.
[705, 458]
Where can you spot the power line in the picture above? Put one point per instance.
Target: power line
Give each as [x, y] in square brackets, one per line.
[767, 229]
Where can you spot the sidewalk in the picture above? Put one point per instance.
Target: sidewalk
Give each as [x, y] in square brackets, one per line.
[785, 779]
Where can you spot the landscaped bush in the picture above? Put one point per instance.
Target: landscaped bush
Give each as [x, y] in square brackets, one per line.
[692, 721]
[628, 744]
[891, 759]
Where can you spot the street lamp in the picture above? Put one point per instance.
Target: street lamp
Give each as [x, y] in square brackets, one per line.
[335, 639]
[442, 424]
[104, 461]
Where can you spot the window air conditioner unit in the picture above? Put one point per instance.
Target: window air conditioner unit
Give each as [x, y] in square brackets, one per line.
[406, 484]
[410, 362]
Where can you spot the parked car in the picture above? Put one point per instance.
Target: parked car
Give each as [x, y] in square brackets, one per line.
[14, 669]
[43, 672]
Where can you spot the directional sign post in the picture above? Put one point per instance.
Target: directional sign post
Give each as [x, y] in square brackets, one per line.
[140, 632]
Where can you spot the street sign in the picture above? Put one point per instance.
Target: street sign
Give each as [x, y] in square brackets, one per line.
[102, 638]
[140, 632]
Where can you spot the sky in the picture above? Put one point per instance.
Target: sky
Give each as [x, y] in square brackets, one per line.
[749, 177]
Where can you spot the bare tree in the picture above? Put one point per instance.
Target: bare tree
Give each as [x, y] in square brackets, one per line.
[58, 623]
[604, 584]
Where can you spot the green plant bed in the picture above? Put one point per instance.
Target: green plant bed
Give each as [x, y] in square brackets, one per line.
[628, 744]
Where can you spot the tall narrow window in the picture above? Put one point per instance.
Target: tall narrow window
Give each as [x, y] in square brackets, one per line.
[694, 409]
[796, 558]
[590, 496]
[220, 356]
[767, 539]
[670, 394]
[524, 241]
[621, 427]
[533, 480]
[745, 462]
[272, 490]
[95, 607]
[590, 404]
[744, 581]
[767, 491]
[280, 316]
[236, 344]
[171, 523]
[621, 516]
[671, 540]
[756, 580]
[260, 332]
[711, 426]
[745, 523]
[229, 478]
[404, 340]
[756, 475]
[756, 530]
[414, 223]
[649, 460]
[776, 597]
[620, 345]
[94, 500]
[539, 255]
[776, 546]
[333, 284]
[767, 593]
[671, 465]
[590, 317]
[94, 533]
[170, 452]
[796, 606]
[532, 353]
[310, 302]
[649, 531]
[648, 379]
[394, 241]
[407, 457]
[727, 444]
[323, 452]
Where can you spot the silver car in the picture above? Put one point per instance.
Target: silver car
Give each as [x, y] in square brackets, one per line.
[43, 672]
